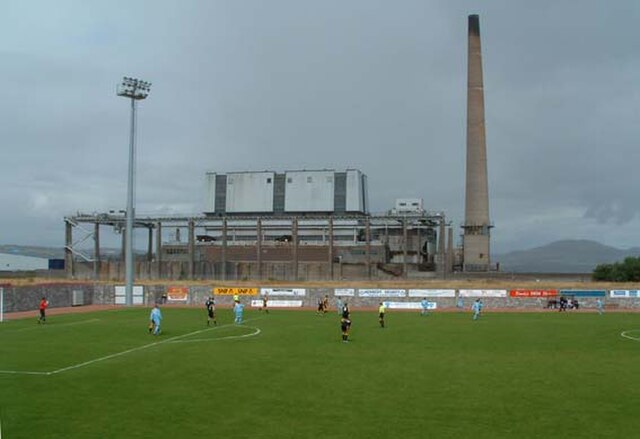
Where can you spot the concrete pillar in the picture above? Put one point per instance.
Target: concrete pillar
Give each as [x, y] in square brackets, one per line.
[476, 223]
[330, 248]
[150, 244]
[450, 250]
[96, 251]
[192, 249]
[68, 245]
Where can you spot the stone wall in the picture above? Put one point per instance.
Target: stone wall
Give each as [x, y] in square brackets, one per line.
[27, 297]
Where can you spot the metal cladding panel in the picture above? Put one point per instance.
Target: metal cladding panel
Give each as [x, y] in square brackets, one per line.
[279, 189]
[365, 193]
[340, 192]
[356, 191]
[221, 193]
[210, 192]
[250, 192]
[309, 191]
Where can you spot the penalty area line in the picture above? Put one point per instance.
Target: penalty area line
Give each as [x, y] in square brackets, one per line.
[139, 348]
[228, 337]
[626, 334]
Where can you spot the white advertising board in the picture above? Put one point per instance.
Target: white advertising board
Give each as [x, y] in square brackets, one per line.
[138, 296]
[382, 293]
[432, 293]
[409, 305]
[344, 292]
[295, 292]
[482, 293]
[278, 303]
[621, 294]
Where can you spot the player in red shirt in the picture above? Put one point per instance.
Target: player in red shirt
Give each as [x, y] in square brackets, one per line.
[43, 306]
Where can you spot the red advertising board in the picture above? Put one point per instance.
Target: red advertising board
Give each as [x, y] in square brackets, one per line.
[177, 293]
[533, 293]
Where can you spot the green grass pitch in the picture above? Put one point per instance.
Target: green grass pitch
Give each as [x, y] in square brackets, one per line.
[537, 375]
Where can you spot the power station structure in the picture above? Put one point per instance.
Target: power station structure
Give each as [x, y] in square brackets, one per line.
[294, 225]
[477, 227]
[305, 224]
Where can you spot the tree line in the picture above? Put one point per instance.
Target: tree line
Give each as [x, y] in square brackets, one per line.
[625, 271]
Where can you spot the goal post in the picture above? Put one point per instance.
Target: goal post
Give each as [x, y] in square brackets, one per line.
[2, 288]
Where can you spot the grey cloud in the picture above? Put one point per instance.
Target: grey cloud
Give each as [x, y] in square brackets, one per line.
[286, 84]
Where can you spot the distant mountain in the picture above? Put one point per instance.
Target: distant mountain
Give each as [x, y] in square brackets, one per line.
[568, 256]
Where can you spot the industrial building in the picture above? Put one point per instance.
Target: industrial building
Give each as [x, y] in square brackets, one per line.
[309, 224]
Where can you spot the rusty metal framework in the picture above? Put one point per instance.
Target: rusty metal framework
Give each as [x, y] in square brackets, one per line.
[262, 231]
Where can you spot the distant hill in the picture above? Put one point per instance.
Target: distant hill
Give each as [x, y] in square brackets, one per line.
[50, 252]
[33, 251]
[568, 256]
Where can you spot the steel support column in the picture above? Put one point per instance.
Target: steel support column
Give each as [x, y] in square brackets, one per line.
[259, 247]
[224, 249]
[294, 238]
[96, 251]
[405, 245]
[68, 254]
[330, 248]
[192, 249]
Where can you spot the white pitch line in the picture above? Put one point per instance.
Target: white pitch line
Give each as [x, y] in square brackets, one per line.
[253, 334]
[56, 325]
[625, 334]
[118, 354]
[24, 372]
[139, 348]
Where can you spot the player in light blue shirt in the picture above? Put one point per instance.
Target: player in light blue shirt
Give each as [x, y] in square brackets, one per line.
[339, 305]
[156, 318]
[476, 308]
[599, 306]
[425, 307]
[238, 309]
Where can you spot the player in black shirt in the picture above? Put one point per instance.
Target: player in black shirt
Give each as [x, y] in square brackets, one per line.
[265, 302]
[345, 311]
[345, 323]
[211, 311]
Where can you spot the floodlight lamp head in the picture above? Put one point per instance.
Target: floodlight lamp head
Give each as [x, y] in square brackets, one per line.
[133, 88]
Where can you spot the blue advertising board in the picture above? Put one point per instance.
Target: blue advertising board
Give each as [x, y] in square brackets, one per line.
[583, 293]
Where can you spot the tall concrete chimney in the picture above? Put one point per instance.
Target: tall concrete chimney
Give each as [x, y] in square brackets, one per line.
[476, 218]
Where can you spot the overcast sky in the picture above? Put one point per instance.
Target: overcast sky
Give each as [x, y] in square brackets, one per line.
[291, 84]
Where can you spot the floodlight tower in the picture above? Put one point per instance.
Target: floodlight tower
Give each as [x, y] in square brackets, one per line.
[135, 90]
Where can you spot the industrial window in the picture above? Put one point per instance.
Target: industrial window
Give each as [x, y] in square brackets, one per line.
[309, 179]
[229, 180]
[268, 180]
[403, 204]
[414, 204]
[289, 180]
